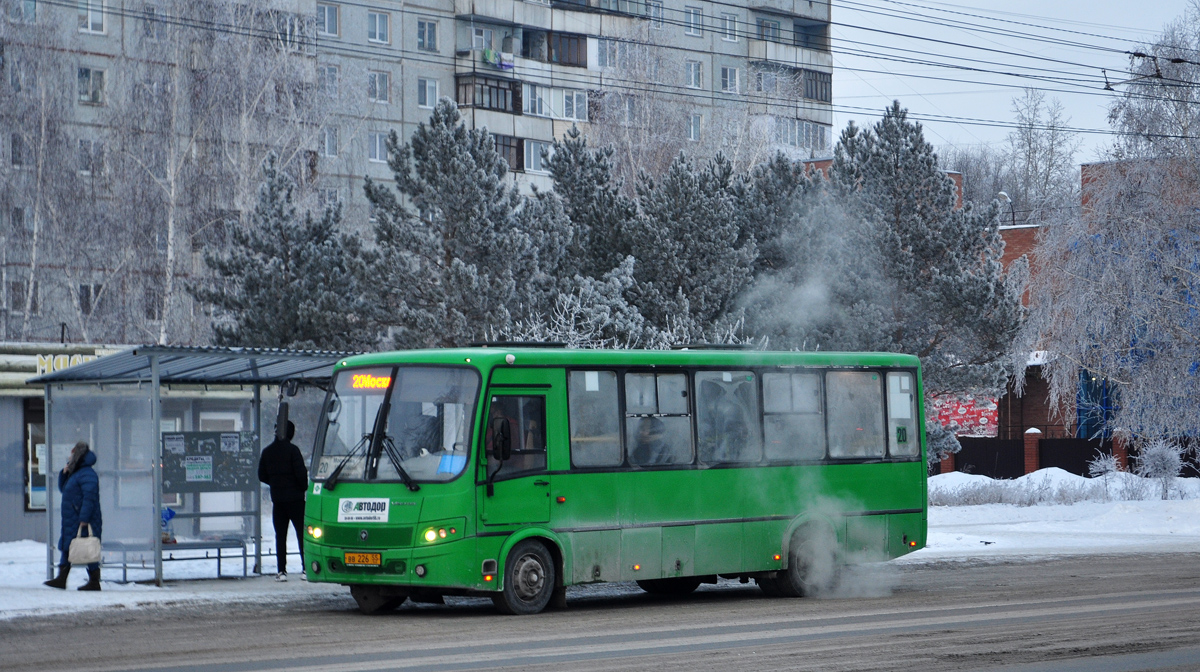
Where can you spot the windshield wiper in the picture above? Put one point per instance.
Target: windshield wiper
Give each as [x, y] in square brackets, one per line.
[389, 447]
[331, 480]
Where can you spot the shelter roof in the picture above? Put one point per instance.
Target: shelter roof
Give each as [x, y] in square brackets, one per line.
[201, 365]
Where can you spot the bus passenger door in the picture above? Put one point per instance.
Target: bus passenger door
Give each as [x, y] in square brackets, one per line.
[519, 486]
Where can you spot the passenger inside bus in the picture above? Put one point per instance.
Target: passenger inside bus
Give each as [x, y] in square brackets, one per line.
[651, 446]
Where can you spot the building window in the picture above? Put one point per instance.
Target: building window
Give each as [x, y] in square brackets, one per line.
[575, 105]
[765, 82]
[818, 86]
[509, 149]
[91, 157]
[630, 109]
[536, 100]
[329, 141]
[18, 295]
[377, 27]
[654, 10]
[486, 93]
[89, 297]
[692, 74]
[153, 27]
[729, 27]
[534, 162]
[427, 92]
[693, 129]
[17, 155]
[803, 134]
[327, 79]
[327, 20]
[568, 49]
[693, 21]
[91, 16]
[427, 35]
[606, 53]
[729, 80]
[377, 147]
[378, 87]
[91, 86]
[328, 198]
[481, 38]
[768, 30]
[24, 11]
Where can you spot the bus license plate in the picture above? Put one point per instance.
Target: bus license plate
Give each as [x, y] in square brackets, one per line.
[363, 559]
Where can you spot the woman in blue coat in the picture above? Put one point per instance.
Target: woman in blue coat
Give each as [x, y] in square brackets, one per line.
[80, 488]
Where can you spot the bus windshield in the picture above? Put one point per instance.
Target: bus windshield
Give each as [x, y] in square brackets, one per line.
[428, 422]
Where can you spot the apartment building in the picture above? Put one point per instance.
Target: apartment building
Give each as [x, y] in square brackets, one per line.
[695, 72]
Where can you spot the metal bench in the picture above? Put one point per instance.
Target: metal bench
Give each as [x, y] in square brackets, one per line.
[168, 551]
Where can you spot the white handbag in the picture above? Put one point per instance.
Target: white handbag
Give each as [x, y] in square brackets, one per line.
[84, 550]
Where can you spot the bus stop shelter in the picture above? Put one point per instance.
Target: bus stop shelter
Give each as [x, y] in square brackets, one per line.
[177, 432]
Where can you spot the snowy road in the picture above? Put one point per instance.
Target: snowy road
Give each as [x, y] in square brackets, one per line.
[1097, 612]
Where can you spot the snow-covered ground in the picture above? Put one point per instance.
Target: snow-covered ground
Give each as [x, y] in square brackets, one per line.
[976, 532]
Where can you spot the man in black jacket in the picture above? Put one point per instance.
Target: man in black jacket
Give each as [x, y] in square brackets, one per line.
[282, 467]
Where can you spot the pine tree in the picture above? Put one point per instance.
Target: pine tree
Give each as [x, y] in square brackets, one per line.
[592, 198]
[946, 297]
[691, 260]
[289, 281]
[455, 259]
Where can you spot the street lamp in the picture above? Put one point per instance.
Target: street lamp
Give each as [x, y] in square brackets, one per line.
[1003, 198]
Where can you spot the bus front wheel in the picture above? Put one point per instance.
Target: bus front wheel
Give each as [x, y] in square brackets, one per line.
[529, 579]
[812, 563]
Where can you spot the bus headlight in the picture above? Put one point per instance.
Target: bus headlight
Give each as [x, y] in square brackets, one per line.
[430, 535]
[314, 532]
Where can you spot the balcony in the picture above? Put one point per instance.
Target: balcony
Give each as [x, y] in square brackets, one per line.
[817, 9]
[766, 51]
[505, 12]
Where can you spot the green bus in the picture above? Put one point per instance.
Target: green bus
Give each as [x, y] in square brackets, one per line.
[514, 472]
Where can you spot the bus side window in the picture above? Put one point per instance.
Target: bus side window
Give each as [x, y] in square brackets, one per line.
[793, 418]
[527, 421]
[903, 432]
[727, 417]
[658, 428]
[855, 407]
[595, 418]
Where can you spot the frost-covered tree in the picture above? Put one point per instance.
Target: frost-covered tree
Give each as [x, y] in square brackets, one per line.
[289, 280]
[1103, 466]
[456, 259]
[592, 198]
[882, 260]
[1042, 175]
[692, 262]
[1162, 460]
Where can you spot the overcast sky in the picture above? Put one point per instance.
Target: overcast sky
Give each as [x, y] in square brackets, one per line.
[872, 39]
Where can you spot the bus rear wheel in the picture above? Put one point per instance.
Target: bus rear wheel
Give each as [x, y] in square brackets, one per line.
[672, 586]
[529, 579]
[812, 563]
[373, 600]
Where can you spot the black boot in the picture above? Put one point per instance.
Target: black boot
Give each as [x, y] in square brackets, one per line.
[93, 580]
[60, 581]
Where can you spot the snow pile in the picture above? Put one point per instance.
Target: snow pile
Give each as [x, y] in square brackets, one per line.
[23, 568]
[1052, 486]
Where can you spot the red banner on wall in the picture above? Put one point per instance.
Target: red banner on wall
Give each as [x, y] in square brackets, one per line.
[968, 416]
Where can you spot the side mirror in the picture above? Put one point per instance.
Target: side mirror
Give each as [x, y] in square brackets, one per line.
[281, 422]
[501, 439]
